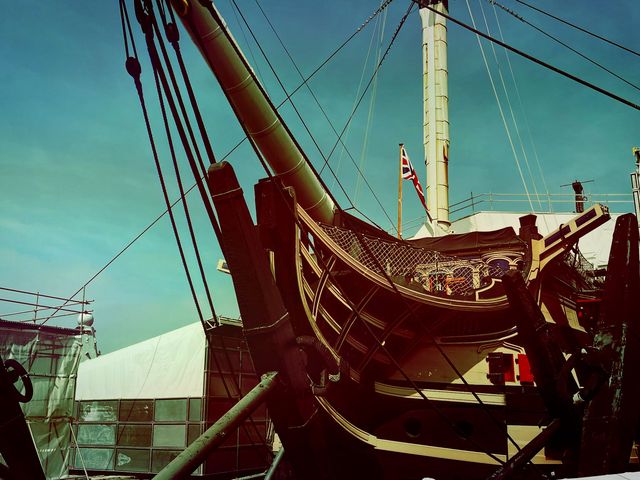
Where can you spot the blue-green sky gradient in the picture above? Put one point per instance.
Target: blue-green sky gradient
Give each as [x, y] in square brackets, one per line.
[77, 176]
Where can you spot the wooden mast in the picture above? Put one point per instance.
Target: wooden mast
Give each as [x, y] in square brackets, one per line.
[400, 191]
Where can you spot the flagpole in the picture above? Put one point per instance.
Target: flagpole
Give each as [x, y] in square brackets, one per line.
[400, 192]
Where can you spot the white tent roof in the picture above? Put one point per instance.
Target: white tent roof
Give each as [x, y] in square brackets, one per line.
[168, 366]
[594, 246]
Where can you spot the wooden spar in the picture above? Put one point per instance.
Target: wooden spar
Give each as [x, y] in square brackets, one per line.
[267, 328]
[513, 468]
[16, 444]
[542, 348]
[611, 418]
[257, 115]
[400, 193]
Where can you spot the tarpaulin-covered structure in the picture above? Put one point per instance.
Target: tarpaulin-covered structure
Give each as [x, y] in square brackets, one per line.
[140, 406]
[51, 356]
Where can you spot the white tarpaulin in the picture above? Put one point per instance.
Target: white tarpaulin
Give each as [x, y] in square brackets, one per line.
[51, 358]
[168, 366]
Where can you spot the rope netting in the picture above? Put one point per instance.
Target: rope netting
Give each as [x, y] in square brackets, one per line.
[432, 271]
[576, 261]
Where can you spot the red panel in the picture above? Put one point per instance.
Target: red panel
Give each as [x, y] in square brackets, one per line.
[525, 369]
[509, 369]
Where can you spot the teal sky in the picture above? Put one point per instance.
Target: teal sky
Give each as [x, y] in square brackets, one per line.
[78, 181]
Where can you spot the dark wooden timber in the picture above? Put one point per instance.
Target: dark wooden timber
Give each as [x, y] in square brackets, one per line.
[16, 443]
[611, 418]
[547, 361]
[267, 328]
[545, 355]
[520, 459]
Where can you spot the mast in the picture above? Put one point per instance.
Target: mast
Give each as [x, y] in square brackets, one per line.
[436, 111]
[400, 191]
[257, 115]
[635, 181]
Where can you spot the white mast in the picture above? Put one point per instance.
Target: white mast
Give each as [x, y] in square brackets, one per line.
[436, 111]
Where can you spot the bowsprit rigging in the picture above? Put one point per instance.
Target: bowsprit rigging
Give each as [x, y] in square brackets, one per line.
[533, 59]
[146, 18]
[386, 358]
[165, 93]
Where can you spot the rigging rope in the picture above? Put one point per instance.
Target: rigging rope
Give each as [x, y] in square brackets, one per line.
[504, 120]
[185, 206]
[172, 34]
[433, 340]
[322, 261]
[531, 58]
[156, 62]
[382, 7]
[290, 100]
[147, 27]
[214, 14]
[159, 71]
[357, 104]
[513, 116]
[343, 148]
[522, 109]
[557, 40]
[610, 42]
[372, 103]
[161, 81]
[148, 23]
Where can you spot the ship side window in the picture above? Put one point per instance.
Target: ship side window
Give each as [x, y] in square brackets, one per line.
[437, 282]
[413, 427]
[464, 428]
[498, 267]
[461, 283]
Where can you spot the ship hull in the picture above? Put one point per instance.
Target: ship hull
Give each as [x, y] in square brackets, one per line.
[430, 384]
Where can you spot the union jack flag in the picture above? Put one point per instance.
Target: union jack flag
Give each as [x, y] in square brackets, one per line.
[408, 173]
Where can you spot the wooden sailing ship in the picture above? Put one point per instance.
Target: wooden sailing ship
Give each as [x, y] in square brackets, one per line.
[442, 357]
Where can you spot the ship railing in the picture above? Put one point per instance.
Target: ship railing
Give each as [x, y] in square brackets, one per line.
[542, 203]
[435, 272]
[516, 202]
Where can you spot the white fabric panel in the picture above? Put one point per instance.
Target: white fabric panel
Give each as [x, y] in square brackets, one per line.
[594, 246]
[614, 476]
[168, 366]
